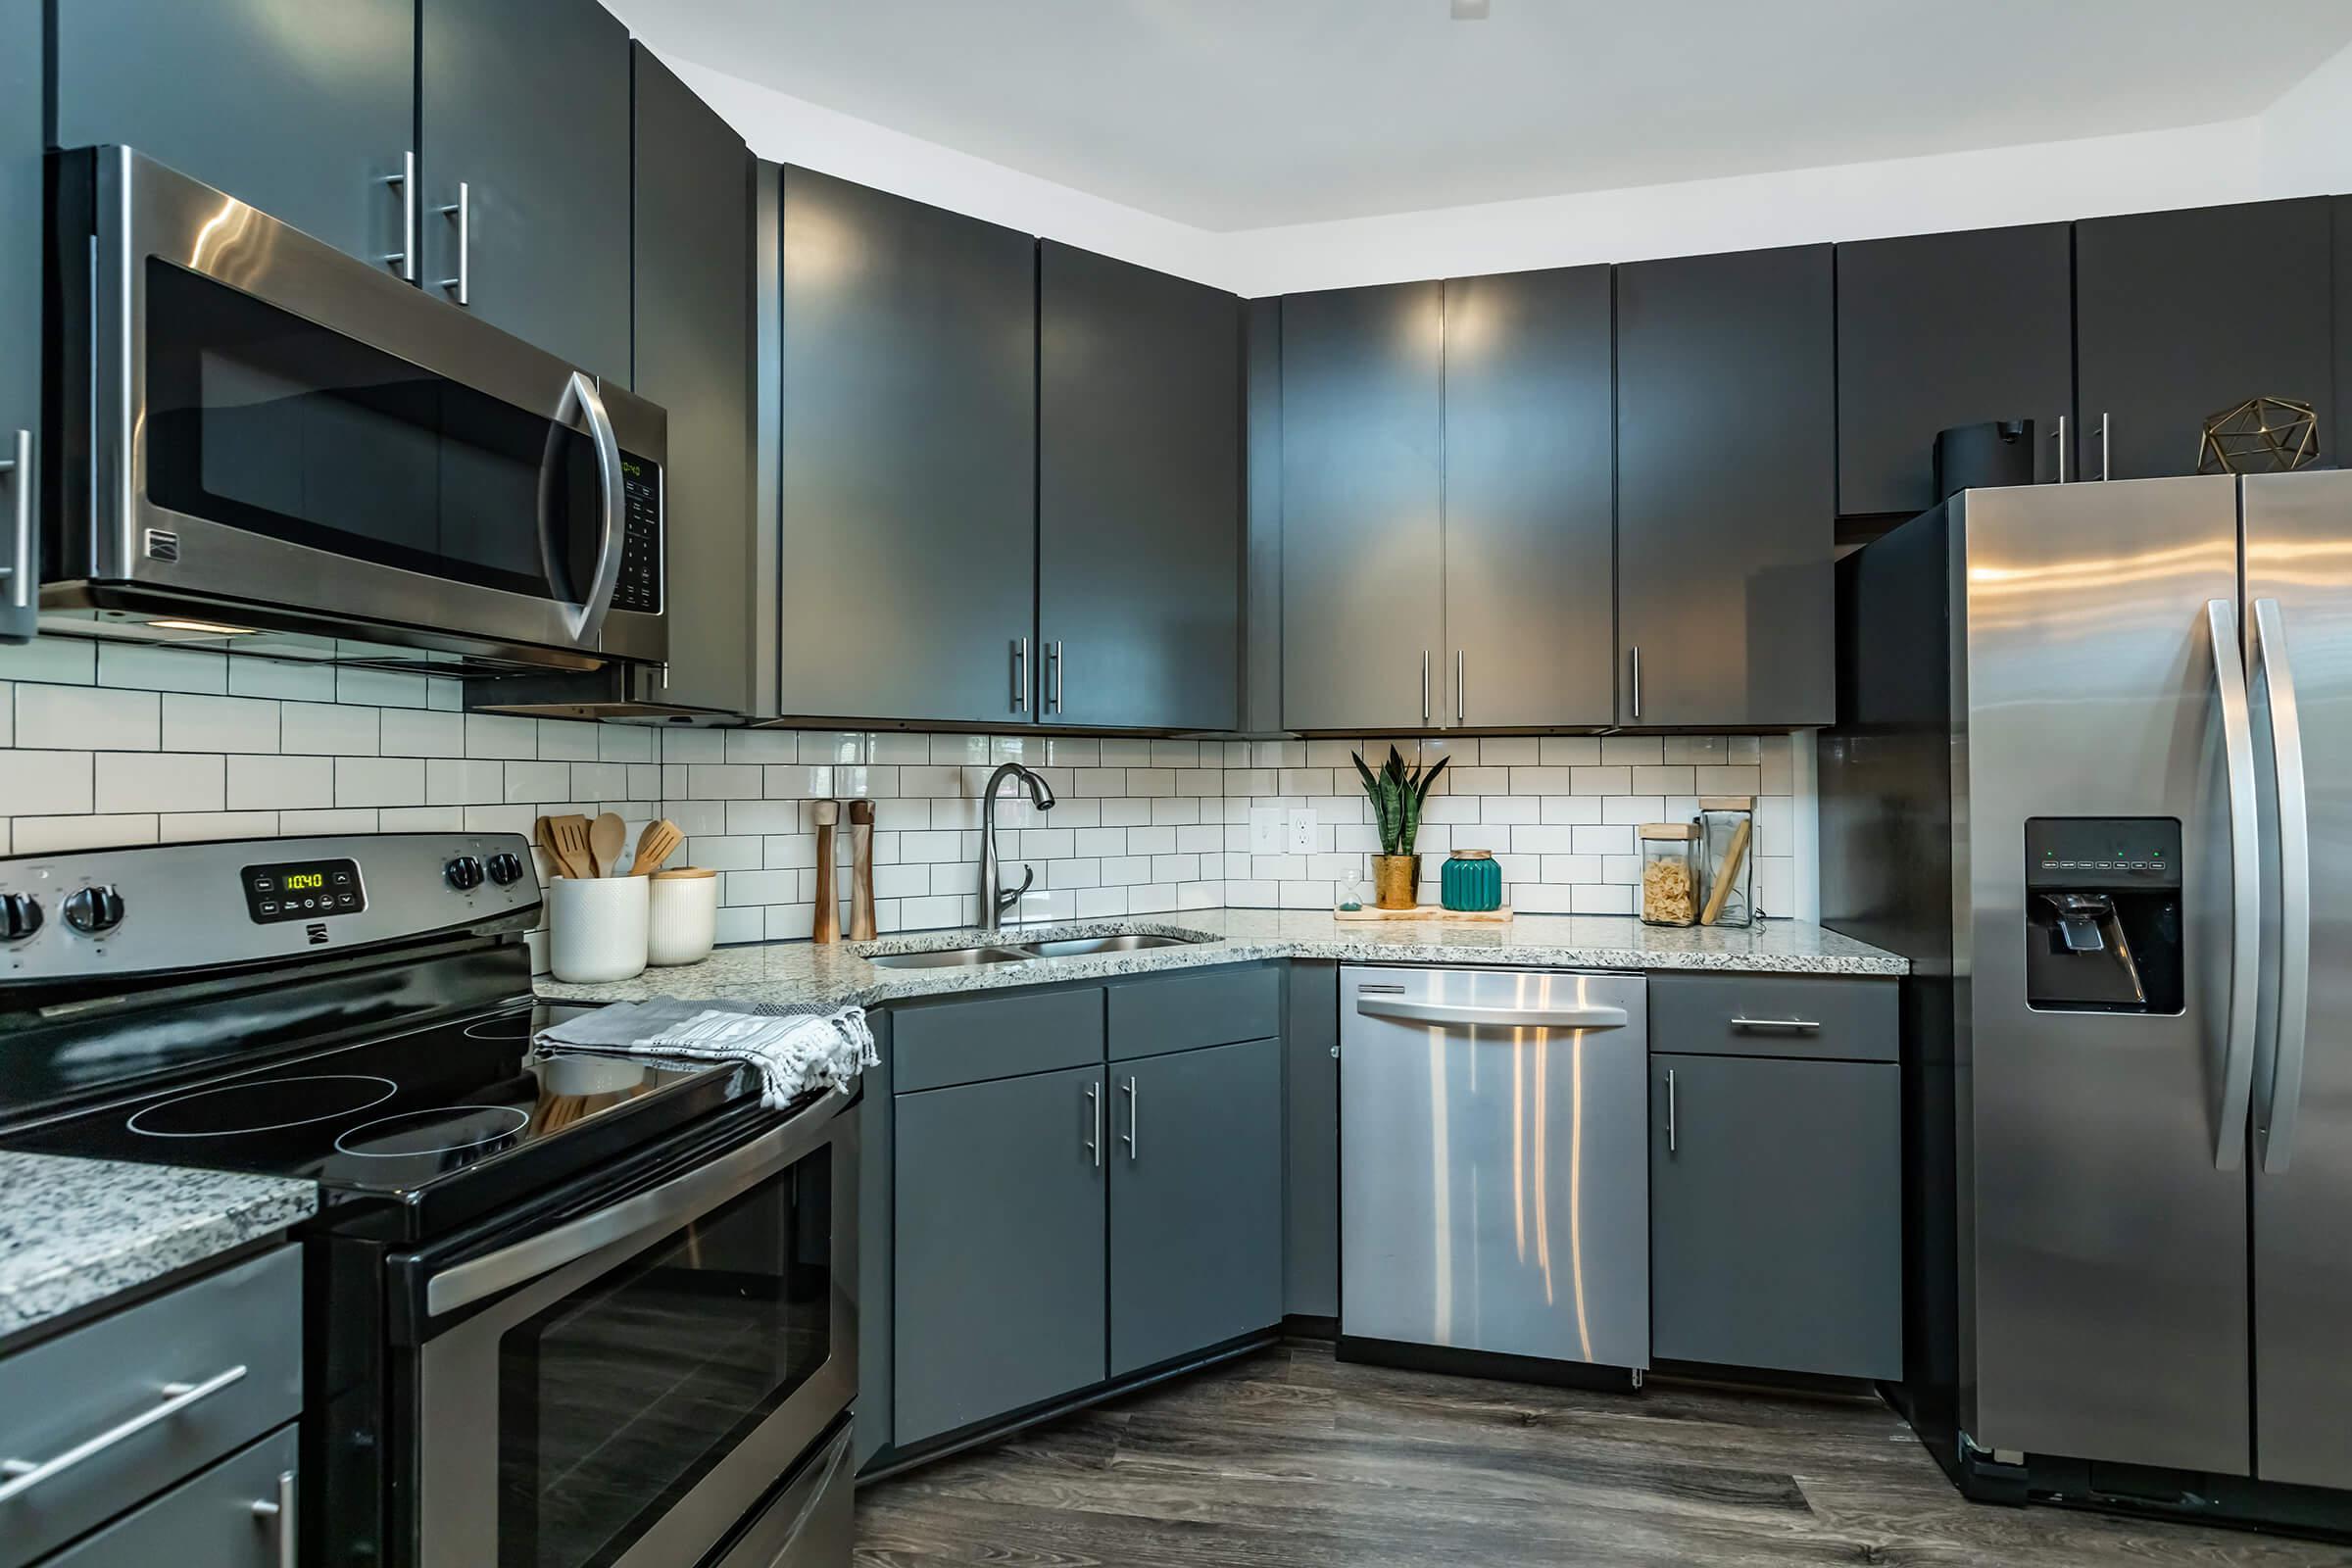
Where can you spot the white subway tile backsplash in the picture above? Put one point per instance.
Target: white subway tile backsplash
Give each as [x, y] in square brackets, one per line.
[420, 732]
[380, 687]
[161, 668]
[281, 783]
[194, 723]
[191, 827]
[87, 717]
[37, 835]
[380, 781]
[45, 783]
[282, 677]
[58, 660]
[129, 782]
[329, 729]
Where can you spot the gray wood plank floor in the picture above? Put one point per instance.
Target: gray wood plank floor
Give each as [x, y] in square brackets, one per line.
[1289, 1459]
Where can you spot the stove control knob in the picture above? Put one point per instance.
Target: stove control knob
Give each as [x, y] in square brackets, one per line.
[505, 869]
[19, 916]
[464, 873]
[94, 911]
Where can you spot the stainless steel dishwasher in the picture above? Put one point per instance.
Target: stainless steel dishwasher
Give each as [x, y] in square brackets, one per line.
[1495, 1171]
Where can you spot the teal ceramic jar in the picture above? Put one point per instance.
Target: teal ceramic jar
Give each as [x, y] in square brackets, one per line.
[1472, 881]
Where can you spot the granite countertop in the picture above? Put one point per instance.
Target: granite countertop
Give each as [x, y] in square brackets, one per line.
[76, 1231]
[840, 975]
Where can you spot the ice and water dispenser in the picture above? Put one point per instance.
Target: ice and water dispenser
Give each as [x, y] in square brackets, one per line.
[2103, 915]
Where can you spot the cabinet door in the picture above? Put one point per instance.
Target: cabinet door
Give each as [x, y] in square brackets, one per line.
[1000, 1274]
[1726, 490]
[298, 107]
[1775, 1214]
[525, 105]
[2340, 456]
[1530, 500]
[1936, 330]
[1362, 548]
[21, 229]
[695, 328]
[1139, 464]
[1196, 1200]
[2178, 315]
[908, 457]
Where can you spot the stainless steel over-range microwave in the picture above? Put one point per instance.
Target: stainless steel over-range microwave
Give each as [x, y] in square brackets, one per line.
[263, 435]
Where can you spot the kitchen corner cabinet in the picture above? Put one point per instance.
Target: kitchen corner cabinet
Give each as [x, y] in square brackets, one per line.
[1196, 1200]
[297, 107]
[1362, 544]
[2181, 315]
[907, 459]
[1000, 1258]
[1936, 330]
[524, 115]
[22, 225]
[1529, 501]
[694, 325]
[1139, 467]
[1726, 490]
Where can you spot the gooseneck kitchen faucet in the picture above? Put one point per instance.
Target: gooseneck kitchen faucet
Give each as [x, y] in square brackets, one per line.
[993, 900]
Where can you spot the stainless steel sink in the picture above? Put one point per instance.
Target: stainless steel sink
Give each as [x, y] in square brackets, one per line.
[952, 958]
[1132, 942]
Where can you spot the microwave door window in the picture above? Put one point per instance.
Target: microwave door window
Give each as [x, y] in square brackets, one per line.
[492, 523]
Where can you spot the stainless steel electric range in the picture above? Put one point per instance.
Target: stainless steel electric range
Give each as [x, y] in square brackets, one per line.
[562, 1311]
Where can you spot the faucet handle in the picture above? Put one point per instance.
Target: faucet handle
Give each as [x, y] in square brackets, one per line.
[1010, 897]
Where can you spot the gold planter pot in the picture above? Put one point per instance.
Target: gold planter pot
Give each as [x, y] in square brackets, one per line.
[1396, 879]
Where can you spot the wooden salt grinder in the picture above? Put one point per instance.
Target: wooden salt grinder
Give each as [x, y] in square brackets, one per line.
[828, 907]
[861, 874]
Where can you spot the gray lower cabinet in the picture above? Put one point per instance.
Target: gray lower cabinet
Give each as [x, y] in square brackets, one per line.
[21, 229]
[1775, 1225]
[1196, 1200]
[1139, 463]
[695, 325]
[523, 115]
[300, 108]
[1000, 1262]
[238, 1514]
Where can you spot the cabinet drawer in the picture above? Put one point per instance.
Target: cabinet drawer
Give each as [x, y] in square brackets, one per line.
[208, 1521]
[939, 1043]
[1217, 1008]
[1774, 1015]
[55, 1397]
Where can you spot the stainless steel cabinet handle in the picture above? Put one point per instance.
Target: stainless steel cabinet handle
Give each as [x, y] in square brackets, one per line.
[1424, 685]
[1793, 1026]
[461, 210]
[1053, 667]
[2274, 1130]
[1020, 675]
[2106, 468]
[1462, 687]
[24, 1473]
[1637, 682]
[278, 1514]
[1094, 1123]
[23, 571]
[1128, 1137]
[1673, 1131]
[1408, 1011]
[2060, 438]
[2236, 1075]
[405, 258]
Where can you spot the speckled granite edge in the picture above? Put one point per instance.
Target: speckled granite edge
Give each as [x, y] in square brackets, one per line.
[841, 974]
[76, 1231]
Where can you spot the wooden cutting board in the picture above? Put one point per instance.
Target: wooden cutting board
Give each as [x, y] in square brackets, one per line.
[1428, 912]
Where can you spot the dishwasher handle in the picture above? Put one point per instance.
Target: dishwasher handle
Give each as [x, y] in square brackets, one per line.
[1408, 1011]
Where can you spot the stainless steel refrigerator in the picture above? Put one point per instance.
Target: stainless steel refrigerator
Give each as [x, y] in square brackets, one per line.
[2092, 774]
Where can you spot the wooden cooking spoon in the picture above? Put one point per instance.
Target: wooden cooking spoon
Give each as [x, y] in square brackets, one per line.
[605, 835]
[656, 844]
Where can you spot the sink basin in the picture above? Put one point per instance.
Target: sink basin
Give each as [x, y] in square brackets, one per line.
[952, 958]
[1134, 941]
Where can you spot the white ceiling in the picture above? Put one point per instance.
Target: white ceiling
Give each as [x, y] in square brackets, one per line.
[1228, 114]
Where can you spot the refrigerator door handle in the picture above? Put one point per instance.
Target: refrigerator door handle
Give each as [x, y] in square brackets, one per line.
[2236, 1075]
[2274, 1129]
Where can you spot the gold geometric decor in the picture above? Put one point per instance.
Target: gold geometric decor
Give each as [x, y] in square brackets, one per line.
[2261, 436]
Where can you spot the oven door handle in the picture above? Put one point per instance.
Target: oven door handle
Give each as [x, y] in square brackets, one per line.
[585, 621]
[658, 1208]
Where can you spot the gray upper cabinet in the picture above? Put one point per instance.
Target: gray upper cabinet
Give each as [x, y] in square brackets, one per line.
[2179, 316]
[1362, 542]
[1196, 1200]
[21, 229]
[694, 329]
[907, 459]
[1139, 465]
[1936, 330]
[1530, 492]
[1726, 490]
[2340, 456]
[297, 107]
[523, 110]
[999, 1259]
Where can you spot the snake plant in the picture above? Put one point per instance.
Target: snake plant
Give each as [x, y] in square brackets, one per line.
[1397, 794]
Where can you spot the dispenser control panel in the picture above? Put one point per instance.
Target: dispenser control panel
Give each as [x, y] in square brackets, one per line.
[2106, 853]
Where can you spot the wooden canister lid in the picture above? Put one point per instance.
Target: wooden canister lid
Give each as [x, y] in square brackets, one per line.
[1664, 830]
[684, 872]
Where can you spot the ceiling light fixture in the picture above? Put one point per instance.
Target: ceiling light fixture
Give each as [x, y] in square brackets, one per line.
[211, 628]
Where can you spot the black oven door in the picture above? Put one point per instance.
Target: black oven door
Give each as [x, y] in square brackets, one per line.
[623, 1385]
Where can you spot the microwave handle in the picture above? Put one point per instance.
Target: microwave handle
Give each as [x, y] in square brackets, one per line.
[585, 621]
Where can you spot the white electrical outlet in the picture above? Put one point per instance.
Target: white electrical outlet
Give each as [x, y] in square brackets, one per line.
[1266, 830]
[1303, 832]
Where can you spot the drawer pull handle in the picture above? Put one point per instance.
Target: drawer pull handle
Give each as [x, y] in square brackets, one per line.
[24, 1475]
[1777, 1026]
[279, 1516]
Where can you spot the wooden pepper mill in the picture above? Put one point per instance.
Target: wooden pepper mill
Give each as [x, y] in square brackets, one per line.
[861, 871]
[828, 907]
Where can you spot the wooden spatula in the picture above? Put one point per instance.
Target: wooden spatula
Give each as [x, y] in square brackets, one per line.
[656, 844]
[605, 836]
[571, 845]
[543, 831]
